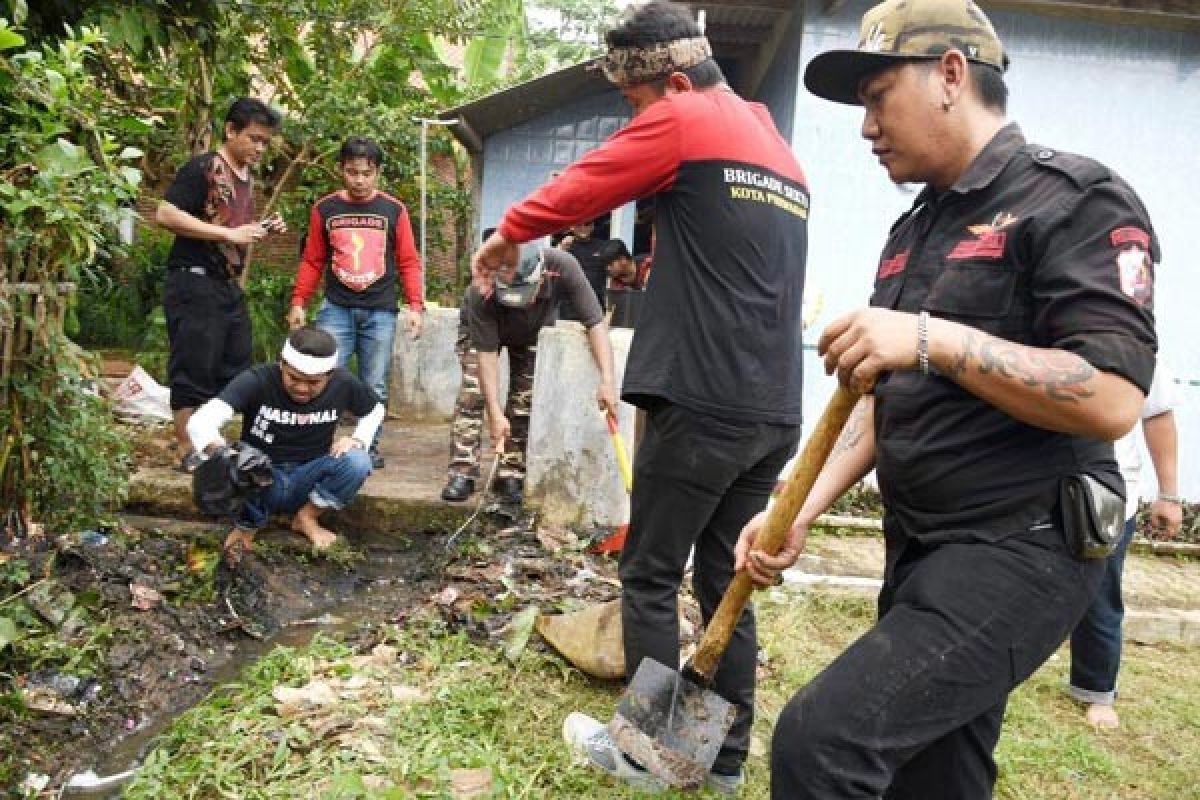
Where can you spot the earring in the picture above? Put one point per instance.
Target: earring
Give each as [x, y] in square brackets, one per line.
[946, 105]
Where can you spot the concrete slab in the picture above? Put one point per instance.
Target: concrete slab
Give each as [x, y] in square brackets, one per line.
[426, 373]
[1159, 625]
[573, 478]
[402, 499]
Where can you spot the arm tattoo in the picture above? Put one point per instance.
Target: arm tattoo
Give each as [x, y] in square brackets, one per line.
[1062, 375]
[851, 434]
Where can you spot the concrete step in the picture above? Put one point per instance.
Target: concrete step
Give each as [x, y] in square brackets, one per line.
[402, 499]
[1154, 626]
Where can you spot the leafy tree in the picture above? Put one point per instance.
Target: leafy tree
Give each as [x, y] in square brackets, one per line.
[67, 177]
[500, 44]
[342, 67]
[523, 39]
[573, 30]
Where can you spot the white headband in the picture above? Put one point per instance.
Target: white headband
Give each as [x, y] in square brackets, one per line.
[309, 365]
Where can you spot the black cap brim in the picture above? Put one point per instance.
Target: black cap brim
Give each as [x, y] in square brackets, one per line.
[520, 296]
[837, 74]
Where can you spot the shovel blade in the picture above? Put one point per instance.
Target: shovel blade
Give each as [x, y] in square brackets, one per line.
[671, 725]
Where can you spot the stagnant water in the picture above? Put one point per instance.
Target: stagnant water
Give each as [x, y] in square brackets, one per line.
[388, 580]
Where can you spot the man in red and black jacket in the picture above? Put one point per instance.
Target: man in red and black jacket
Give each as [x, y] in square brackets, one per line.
[716, 360]
[361, 240]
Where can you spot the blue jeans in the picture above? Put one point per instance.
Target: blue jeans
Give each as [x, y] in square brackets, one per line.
[1096, 640]
[368, 333]
[327, 482]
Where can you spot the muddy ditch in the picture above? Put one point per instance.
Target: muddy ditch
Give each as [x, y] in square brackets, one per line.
[109, 634]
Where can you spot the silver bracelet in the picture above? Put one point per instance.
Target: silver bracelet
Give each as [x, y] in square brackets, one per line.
[923, 342]
[1171, 498]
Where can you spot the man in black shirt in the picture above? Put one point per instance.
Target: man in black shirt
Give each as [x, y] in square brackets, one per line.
[290, 411]
[1010, 340]
[511, 315]
[210, 209]
[594, 256]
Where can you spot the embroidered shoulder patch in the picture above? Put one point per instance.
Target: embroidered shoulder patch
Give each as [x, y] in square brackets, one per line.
[892, 266]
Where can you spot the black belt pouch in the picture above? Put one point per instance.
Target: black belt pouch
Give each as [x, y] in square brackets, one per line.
[1093, 516]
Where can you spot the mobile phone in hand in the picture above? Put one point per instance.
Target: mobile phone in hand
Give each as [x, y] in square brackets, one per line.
[273, 223]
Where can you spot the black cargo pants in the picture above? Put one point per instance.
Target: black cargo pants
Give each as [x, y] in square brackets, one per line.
[913, 709]
[697, 480]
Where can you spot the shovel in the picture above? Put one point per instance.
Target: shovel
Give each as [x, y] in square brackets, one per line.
[672, 724]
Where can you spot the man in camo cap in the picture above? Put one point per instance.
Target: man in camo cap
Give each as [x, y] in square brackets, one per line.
[1009, 341]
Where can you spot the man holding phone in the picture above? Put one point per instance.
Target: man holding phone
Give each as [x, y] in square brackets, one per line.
[209, 206]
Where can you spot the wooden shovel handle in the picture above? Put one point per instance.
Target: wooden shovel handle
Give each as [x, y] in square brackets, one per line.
[774, 532]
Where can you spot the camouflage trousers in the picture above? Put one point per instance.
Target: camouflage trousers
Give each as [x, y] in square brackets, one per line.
[466, 433]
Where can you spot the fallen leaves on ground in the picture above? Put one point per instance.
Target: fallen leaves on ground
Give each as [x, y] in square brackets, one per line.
[409, 694]
[469, 783]
[446, 597]
[518, 633]
[291, 702]
[382, 655]
[143, 598]
[555, 539]
[48, 701]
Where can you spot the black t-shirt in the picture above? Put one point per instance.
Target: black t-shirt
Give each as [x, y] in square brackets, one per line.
[288, 431]
[208, 189]
[594, 256]
[493, 325]
[1038, 247]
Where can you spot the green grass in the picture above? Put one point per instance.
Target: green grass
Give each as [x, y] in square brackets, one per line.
[482, 712]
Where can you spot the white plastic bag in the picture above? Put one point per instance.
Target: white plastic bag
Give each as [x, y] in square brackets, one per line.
[141, 398]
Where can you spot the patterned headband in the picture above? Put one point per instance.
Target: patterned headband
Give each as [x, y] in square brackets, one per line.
[629, 66]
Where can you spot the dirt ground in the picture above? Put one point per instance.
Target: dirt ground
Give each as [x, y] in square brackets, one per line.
[99, 700]
[136, 623]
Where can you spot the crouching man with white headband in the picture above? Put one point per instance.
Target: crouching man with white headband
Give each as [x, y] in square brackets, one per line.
[290, 412]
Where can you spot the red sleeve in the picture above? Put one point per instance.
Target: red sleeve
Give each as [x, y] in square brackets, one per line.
[312, 263]
[408, 262]
[639, 160]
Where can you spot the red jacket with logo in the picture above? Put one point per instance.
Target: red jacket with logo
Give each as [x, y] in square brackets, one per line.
[360, 247]
[720, 328]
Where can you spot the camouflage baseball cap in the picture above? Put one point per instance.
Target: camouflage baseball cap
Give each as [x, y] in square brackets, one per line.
[522, 289]
[899, 30]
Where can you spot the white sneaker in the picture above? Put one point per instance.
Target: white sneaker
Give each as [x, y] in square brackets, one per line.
[590, 740]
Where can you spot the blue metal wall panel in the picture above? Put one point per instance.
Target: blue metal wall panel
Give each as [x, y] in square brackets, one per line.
[518, 160]
[1127, 96]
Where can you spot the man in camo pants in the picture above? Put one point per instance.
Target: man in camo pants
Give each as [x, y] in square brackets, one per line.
[466, 433]
[489, 322]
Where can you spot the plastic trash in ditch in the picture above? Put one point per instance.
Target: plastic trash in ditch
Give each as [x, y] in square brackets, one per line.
[89, 784]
